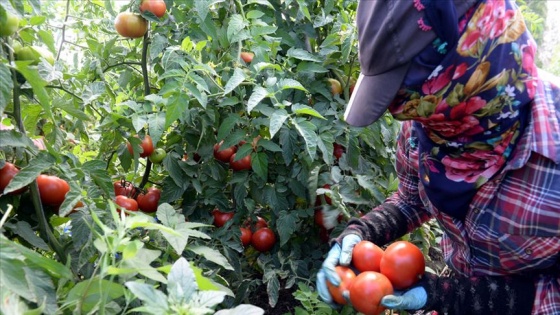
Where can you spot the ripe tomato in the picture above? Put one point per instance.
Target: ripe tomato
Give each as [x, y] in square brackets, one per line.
[263, 239]
[147, 146]
[241, 164]
[148, 202]
[157, 7]
[223, 154]
[154, 190]
[6, 174]
[261, 223]
[124, 188]
[366, 256]
[220, 218]
[130, 25]
[246, 235]
[367, 290]
[127, 203]
[403, 263]
[346, 279]
[338, 150]
[318, 217]
[158, 155]
[336, 87]
[247, 56]
[52, 189]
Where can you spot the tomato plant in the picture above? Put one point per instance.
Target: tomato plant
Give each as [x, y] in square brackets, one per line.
[347, 277]
[366, 256]
[263, 239]
[131, 25]
[367, 290]
[403, 263]
[52, 189]
[157, 7]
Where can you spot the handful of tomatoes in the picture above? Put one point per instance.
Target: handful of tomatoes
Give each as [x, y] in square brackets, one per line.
[380, 272]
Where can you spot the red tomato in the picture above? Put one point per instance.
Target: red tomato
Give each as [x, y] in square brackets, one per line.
[247, 56]
[6, 174]
[241, 164]
[366, 256]
[367, 290]
[403, 263]
[124, 188]
[52, 189]
[154, 190]
[261, 223]
[263, 239]
[324, 235]
[147, 146]
[223, 154]
[220, 218]
[157, 7]
[148, 202]
[127, 203]
[246, 235]
[338, 150]
[130, 25]
[346, 278]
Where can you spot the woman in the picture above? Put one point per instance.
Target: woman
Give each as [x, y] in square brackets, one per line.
[479, 151]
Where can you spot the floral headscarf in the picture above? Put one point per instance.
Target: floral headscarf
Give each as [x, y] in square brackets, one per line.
[470, 111]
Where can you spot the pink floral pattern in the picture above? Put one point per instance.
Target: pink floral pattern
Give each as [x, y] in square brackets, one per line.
[470, 108]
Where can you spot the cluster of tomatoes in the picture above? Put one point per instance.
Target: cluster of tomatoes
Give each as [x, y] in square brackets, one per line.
[52, 189]
[375, 273]
[148, 150]
[259, 235]
[228, 155]
[131, 198]
[132, 25]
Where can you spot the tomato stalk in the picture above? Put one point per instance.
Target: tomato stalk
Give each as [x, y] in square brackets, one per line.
[144, 66]
[44, 228]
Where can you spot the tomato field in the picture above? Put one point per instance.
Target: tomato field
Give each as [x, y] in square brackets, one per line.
[180, 157]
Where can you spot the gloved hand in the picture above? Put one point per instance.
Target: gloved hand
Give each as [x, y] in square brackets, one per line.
[338, 255]
[411, 300]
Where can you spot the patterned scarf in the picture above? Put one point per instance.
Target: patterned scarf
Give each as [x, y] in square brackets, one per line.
[472, 107]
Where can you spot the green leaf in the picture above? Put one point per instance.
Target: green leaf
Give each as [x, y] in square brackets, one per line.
[24, 230]
[277, 119]
[42, 288]
[300, 109]
[175, 109]
[181, 282]
[233, 82]
[259, 164]
[167, 215]
[272, 288]
[15, 139]
[89, 293]
[291, 84]
[286, 225]
[269, 145]
[227, 126]
[311, 67]
[156, 125]
[32, 76]
[261, 2]
[259, 93]
[307, 130]
[6, 86]
[153, 298]
[301, 54]
[212, 255]
[29, 173]
[254, 14]
[236, 28]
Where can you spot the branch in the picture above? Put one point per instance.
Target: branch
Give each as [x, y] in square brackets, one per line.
[65, 90]
[63, 30]
[145, 45]
[122, 63]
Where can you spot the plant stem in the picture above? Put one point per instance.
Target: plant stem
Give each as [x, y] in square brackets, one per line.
[144, 66]
[44, 228]
[63, 30]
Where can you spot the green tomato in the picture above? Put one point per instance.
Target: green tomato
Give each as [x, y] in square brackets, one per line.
[9, 23]
[34, 54]
[158, 155]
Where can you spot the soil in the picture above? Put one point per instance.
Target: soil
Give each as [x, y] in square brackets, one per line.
[286, 301]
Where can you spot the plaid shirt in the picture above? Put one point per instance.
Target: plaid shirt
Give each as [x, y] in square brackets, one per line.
[513, 224]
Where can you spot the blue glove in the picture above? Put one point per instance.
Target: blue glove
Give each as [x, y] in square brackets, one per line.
[411, 300]
[338, 255]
